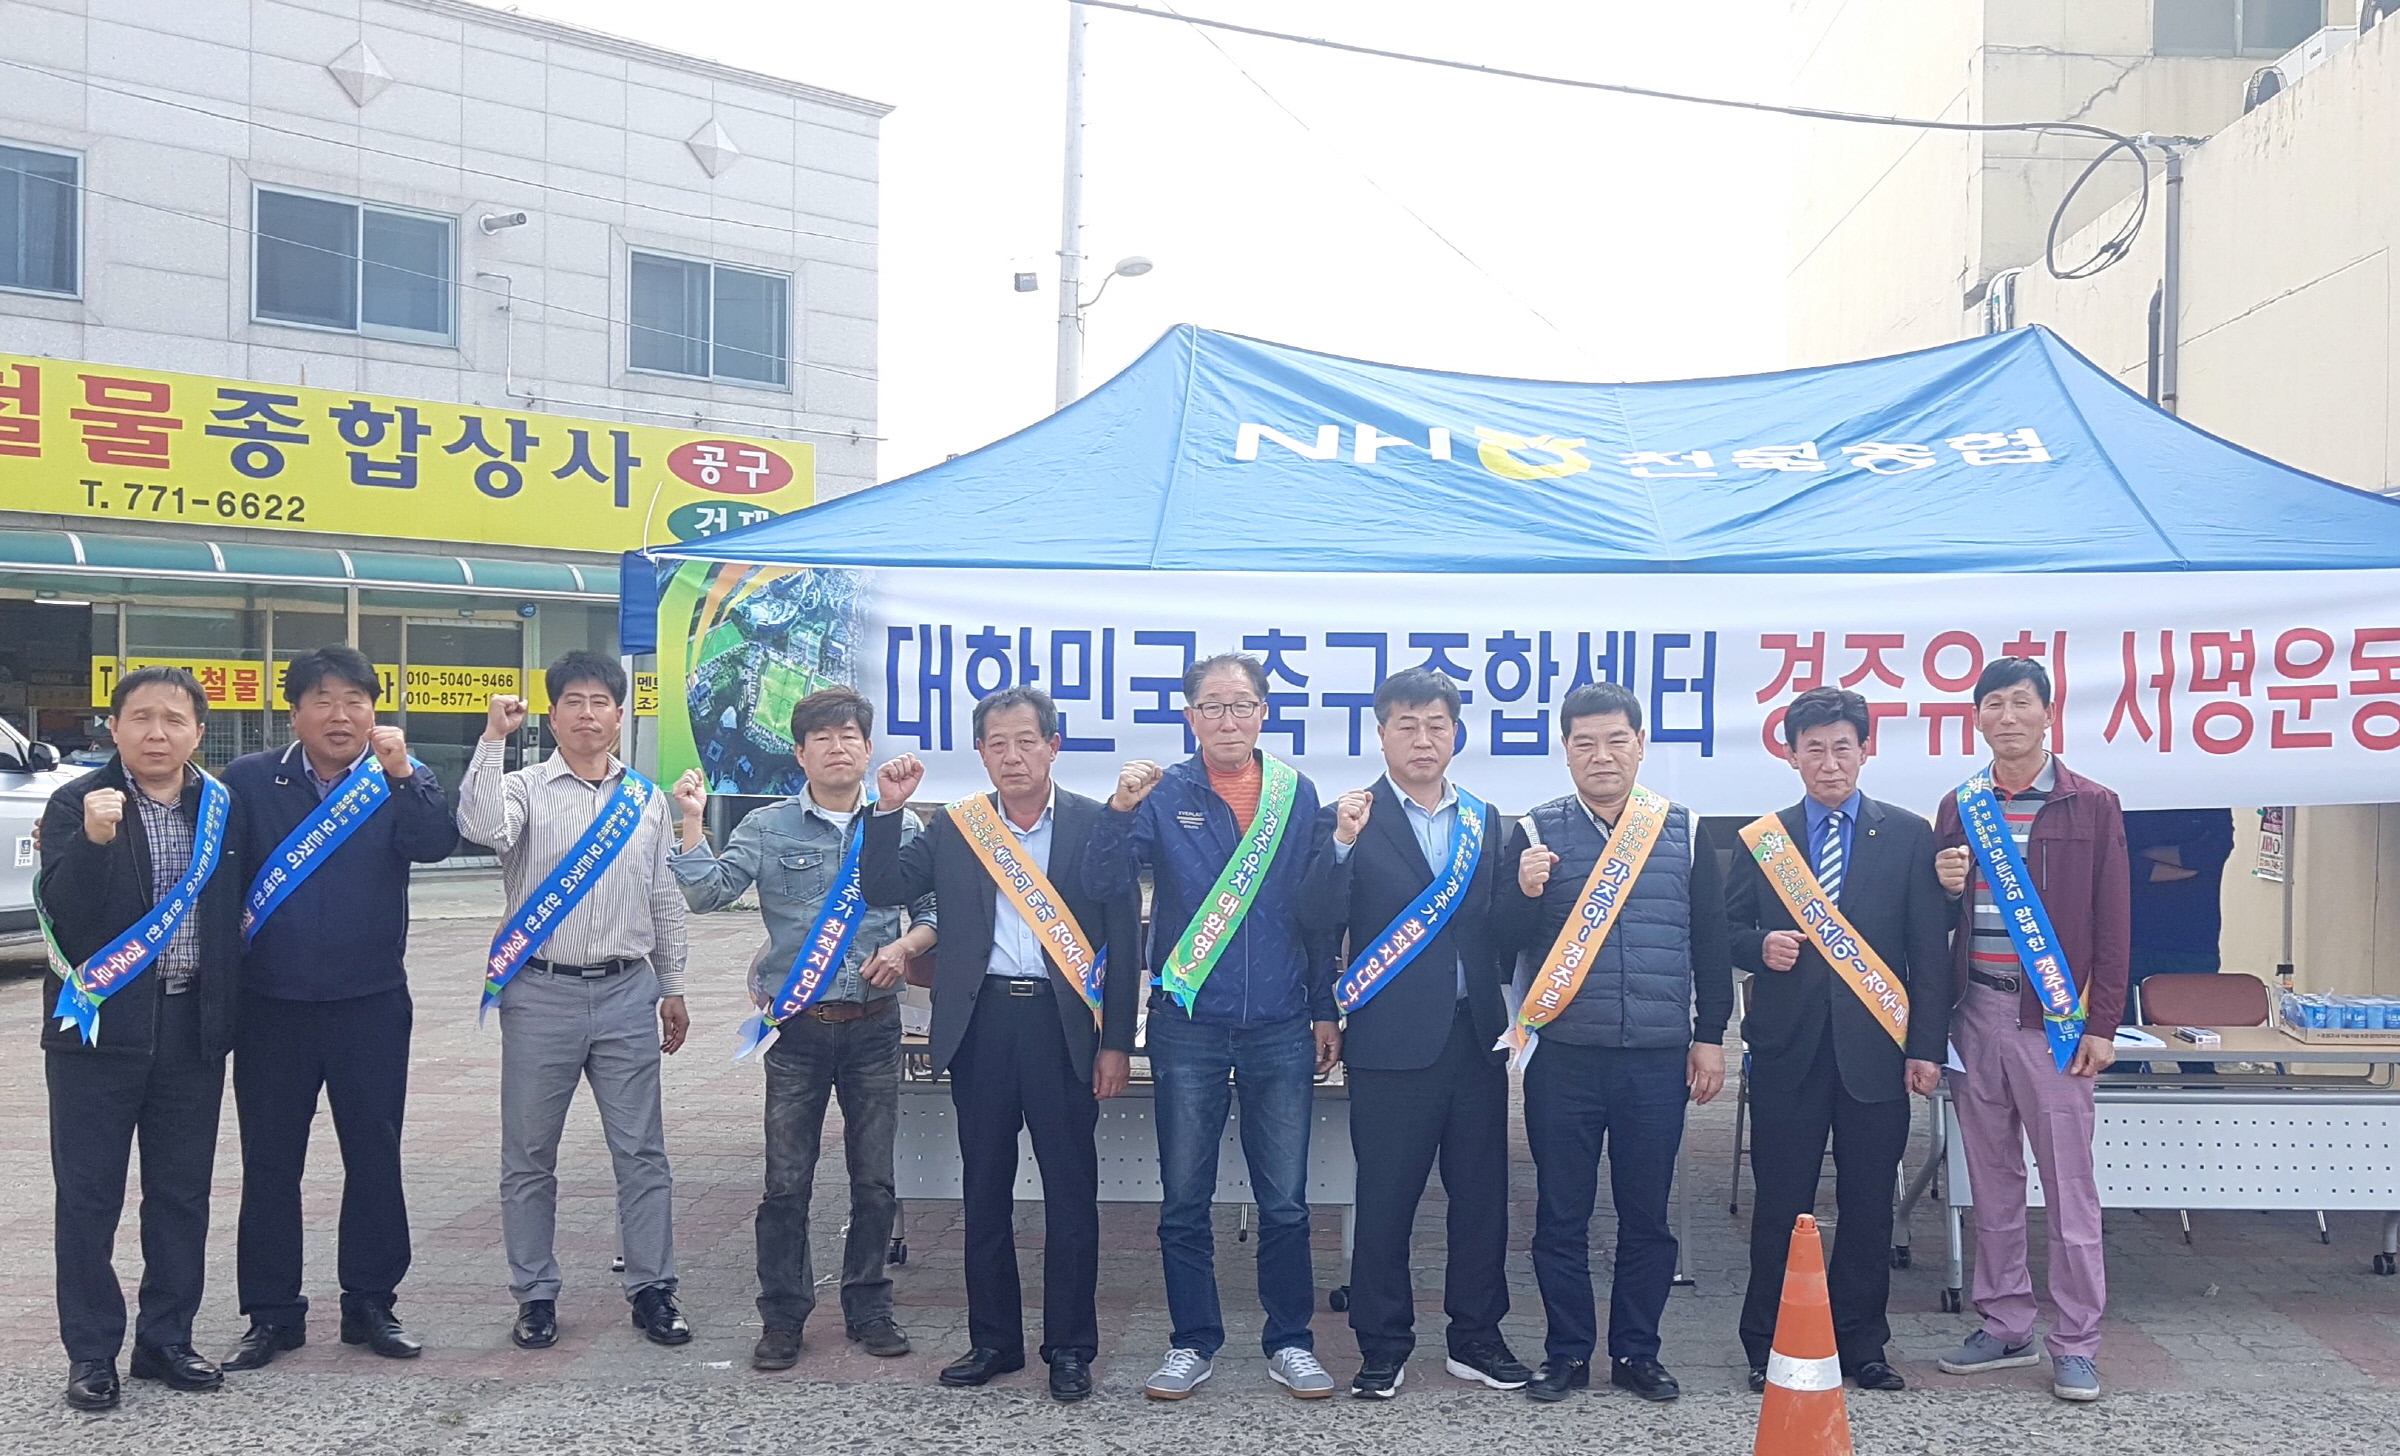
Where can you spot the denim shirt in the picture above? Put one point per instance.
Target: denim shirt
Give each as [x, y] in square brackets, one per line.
[791, 851]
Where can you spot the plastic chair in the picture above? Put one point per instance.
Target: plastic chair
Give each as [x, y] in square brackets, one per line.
[2233, 999]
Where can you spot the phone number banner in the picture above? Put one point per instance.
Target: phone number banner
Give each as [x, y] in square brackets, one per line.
[2175, 689]
[111, 443]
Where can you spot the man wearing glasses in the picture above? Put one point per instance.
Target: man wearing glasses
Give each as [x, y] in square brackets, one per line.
[1243, 998]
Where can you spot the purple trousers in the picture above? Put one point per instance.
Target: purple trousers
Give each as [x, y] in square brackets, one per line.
[2013, 1093]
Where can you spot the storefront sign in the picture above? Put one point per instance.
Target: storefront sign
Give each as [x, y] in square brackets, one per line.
[236, 685]
[114, 444]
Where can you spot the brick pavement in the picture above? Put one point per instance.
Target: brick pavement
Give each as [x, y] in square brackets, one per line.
[2252, 1303]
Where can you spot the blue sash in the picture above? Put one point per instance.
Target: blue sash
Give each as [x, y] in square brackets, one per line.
[1417, 926]
[821, 955]
[2020, 907]
[313, 842]
[556, 894]
[116, 964]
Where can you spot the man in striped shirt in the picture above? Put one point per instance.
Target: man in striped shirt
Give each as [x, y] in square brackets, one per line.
[2070, 833]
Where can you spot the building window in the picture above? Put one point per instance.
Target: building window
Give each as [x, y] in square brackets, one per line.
[328, 264]
[41, 224]
[708, 321]
[2232, 27]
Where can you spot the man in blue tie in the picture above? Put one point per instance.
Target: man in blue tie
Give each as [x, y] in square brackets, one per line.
[1824, 1062]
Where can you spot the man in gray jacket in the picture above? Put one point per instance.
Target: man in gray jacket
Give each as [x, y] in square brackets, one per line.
[1629, 1003]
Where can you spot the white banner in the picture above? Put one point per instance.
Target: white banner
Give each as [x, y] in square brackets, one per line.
[2176, 690]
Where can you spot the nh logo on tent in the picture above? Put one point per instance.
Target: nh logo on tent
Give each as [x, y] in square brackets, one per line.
[1511, 457]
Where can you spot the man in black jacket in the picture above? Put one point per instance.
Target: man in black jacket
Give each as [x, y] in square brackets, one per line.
[121, 847]
[1825, 1061]
[1014, 1025]
[1422, 994]
[325, 1002]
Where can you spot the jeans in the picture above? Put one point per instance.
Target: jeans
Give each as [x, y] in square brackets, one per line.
[1274, 1066]
[858, 1061]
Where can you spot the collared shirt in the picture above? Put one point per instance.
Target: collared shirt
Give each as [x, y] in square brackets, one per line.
[1434, 829]
[1813, 851]
[1992, 951]
[1016, 952]
[539, 814]
[792, 850]
[322, 785]
[171, 838]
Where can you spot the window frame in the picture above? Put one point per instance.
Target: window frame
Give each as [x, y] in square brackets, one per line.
[2240, 51]
[82, 220]
[359, 208]
[634, 252]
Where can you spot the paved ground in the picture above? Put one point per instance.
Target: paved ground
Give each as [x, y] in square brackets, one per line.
[2254, 1339]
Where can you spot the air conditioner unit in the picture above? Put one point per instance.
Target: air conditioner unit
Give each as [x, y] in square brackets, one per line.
[2314, 52]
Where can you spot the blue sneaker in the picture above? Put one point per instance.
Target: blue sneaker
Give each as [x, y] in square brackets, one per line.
[2073, 1377]
[1983, 1351]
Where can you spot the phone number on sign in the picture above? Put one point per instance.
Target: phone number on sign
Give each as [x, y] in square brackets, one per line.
[171, 500]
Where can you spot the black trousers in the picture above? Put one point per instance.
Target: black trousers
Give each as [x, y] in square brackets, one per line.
[1787, 1154]
[1400, 1122]
[1012, 1071]
[356, 1051]
[99, 1104]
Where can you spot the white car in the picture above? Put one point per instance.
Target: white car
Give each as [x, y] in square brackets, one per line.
[29, 774]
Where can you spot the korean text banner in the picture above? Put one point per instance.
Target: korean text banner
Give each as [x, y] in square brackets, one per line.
[2175, 689]
[110, 443]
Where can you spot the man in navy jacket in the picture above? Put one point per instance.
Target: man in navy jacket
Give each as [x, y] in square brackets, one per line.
[1263, 1018]
[325, 1005]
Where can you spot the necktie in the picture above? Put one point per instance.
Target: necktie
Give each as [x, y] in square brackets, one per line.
[1829, 858]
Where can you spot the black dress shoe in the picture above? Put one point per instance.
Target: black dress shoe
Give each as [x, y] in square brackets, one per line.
[1559, 1380]
[92, 1385]
[776, 1350]
[981, 1364]
[370, 1322]
[1758, 1380]
[1379, 1377]
[1070, 1379]
[1645, 1377]
[178, 1367]
[537, 1325]
[661, 1323]
[1489, 1364]
[259, 1348]
[1876, 1375]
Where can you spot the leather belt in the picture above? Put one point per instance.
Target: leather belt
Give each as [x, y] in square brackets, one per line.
[1024, 985]
[836, 1011]
[1997, 983]
[598, 972]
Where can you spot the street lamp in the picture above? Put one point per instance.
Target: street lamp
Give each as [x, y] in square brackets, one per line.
[1071, 302]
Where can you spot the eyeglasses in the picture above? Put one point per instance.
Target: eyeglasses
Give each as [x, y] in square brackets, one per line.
[1242, 711]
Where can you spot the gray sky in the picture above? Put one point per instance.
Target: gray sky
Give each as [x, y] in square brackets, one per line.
[1609, 238]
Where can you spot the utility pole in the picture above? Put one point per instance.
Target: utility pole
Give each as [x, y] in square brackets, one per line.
[1070, 228]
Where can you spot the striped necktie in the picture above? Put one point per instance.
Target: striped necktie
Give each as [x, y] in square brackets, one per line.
[1829, 858]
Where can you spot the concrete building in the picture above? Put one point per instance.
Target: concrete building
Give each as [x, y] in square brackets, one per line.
[421, 224]
[1897, 234]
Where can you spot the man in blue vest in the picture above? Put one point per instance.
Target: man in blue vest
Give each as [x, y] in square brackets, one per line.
[1632, 1029]
[325, 1003]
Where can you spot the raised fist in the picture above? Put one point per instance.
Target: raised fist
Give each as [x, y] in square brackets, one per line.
[391, 750]
[103, 811]
[1350, 813]
[506, 716]
[1533, 869]
[690, 794]
[898, 780]
[1951, 866]
[1134, 783]
[1781, 951]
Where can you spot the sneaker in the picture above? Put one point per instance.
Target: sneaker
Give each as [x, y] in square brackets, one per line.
[1297, 1371]
[2073, 1377]
[1490, 1364]
[1378, 1377]
[1181, 1373]
[1983, 1351]
[880, 1336]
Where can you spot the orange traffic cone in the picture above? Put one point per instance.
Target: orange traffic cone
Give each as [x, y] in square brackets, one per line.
[1803, 1414]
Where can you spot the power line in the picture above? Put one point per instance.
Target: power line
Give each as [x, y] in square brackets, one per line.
[2109, 252]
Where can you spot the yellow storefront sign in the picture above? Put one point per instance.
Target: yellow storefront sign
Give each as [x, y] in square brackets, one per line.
[234, 685]
[113, 444]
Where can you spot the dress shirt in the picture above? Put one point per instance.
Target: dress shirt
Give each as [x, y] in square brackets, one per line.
[1016, 952]
[323, 786]
[1817, 815]
[172, 841]
[1434, 829]
[535, 817]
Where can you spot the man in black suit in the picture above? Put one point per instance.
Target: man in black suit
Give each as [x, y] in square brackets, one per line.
[1013, 1025]
[1823, 1061]
[1424, 1015]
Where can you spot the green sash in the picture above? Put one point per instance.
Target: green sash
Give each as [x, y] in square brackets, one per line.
[1228, 901]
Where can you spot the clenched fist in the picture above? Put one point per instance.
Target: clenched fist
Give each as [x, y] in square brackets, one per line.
[690, 794]
[103, 811]
[391, 750]
[1533, 870]
[1350, 813]
[897, 781]
[1134, 783]
[1781, 951]
[506, 716]
[1951, 865]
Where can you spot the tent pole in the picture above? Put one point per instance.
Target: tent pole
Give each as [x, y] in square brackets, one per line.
[2170, 312]
[1070, 228]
